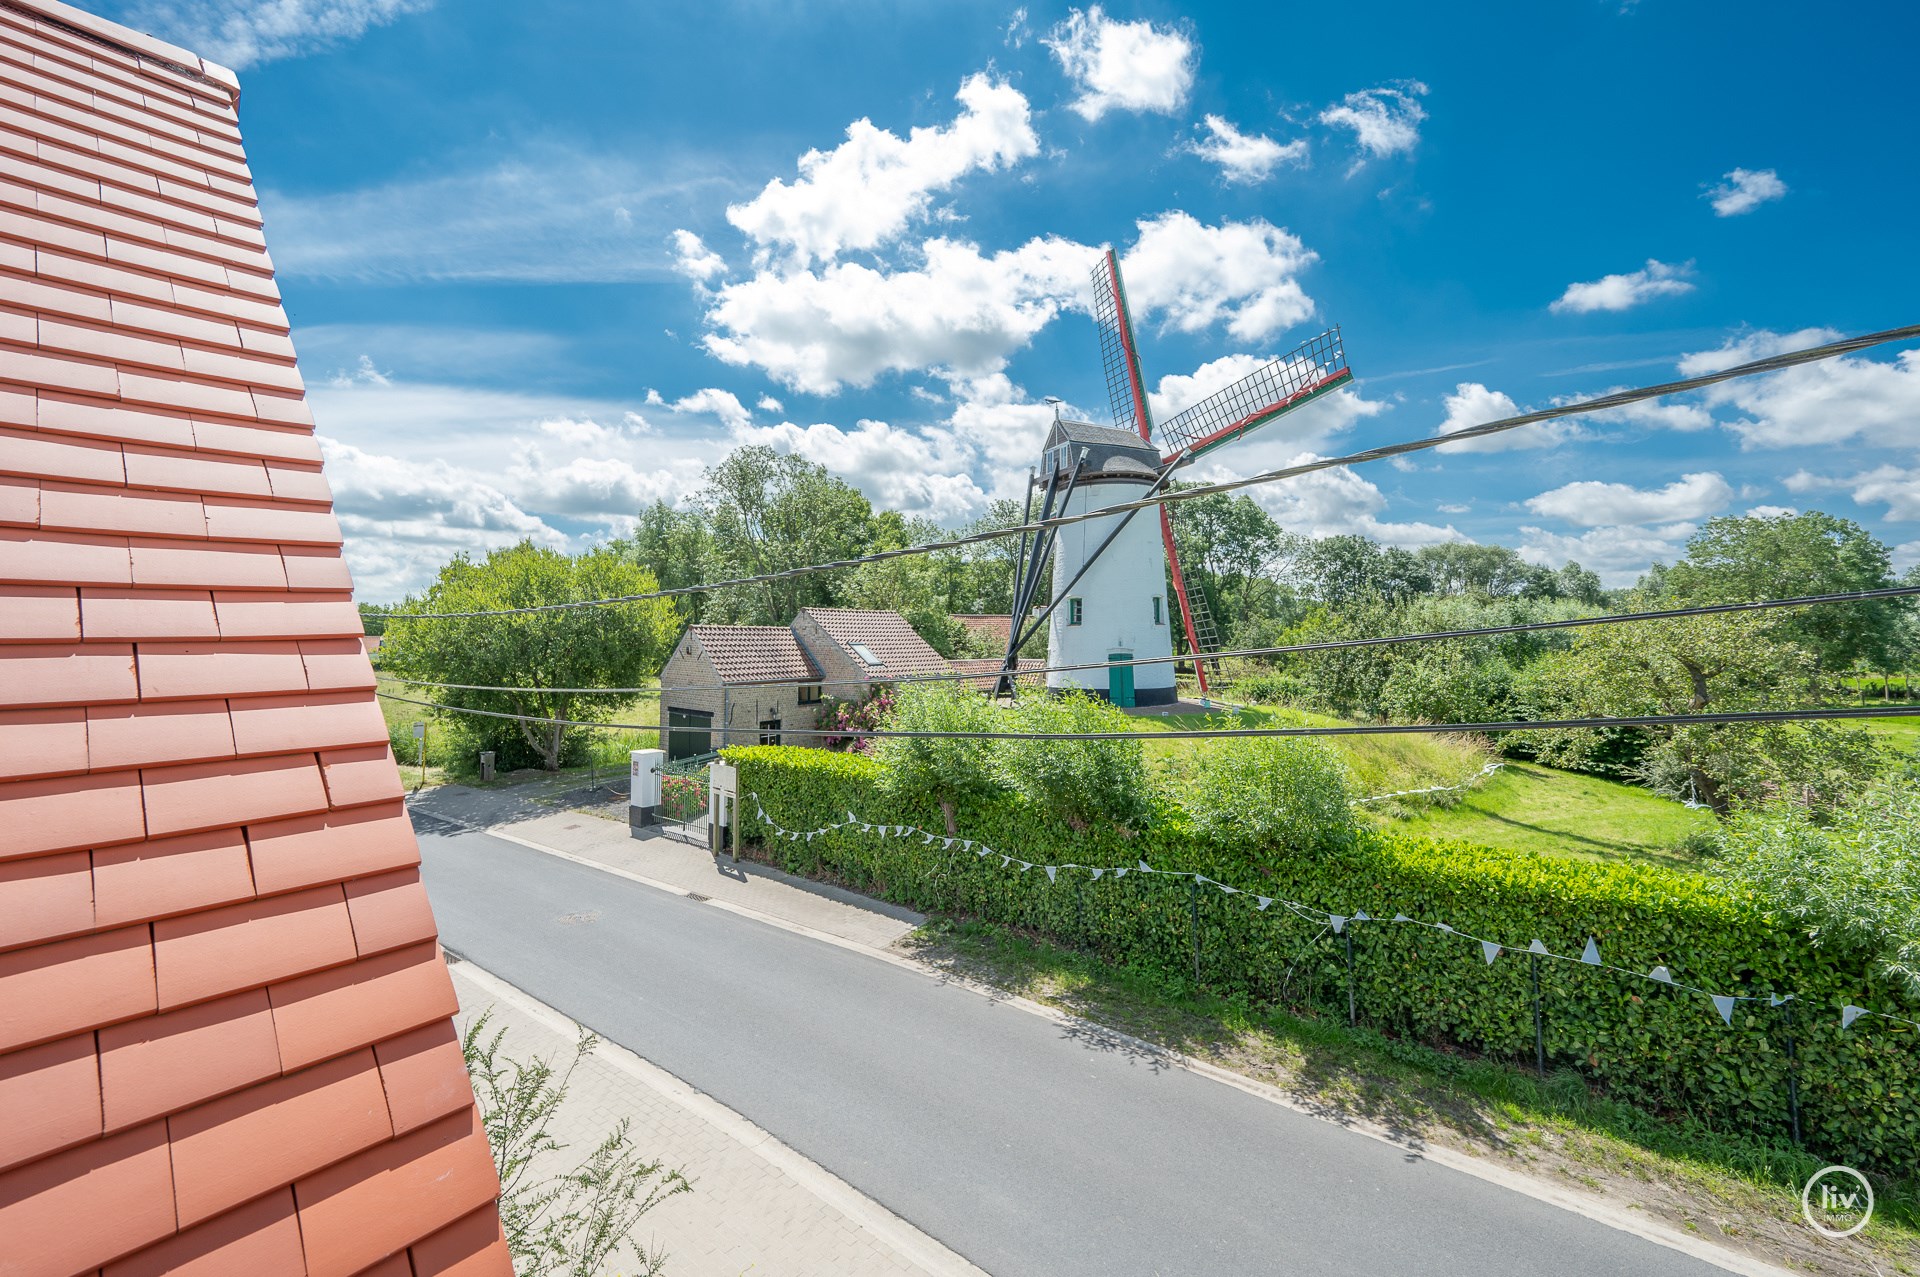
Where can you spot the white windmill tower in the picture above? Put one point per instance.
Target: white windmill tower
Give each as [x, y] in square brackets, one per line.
[1110, 576]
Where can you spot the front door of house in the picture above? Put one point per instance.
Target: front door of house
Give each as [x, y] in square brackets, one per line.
[1120, 679]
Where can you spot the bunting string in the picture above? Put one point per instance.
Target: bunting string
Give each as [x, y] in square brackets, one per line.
[1468, 783]
[1490, 950]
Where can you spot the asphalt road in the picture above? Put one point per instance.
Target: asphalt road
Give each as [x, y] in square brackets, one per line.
[1025, 1147]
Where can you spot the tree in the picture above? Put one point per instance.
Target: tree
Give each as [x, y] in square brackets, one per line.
[1740, 559]
[767, 512]
[676, 547]
[613, 646]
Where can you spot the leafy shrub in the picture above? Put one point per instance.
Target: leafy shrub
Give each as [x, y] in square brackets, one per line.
[944, 768]
[1289, 794]
[1274, 689]
[682, 797]
[854, 716]
[1082, 780]
[1448, 687]
[1665, 1050]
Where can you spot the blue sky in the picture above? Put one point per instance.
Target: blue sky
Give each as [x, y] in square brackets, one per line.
[545, 262]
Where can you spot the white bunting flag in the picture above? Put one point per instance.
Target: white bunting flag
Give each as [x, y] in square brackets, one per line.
[1592, 955]
[1232, 891]
[1362, 917]
[1051, 871]
[1777, 1000]
[900, 830]
[1489, 950]
[1025, 865]
[1661, 974]
[1848, 1014]
[983, 851]
[1005, 861]
[947, 845]
[1097, 873]
[1338, 923]
[852, 819]
[1145, 868]
[1723, 1003]
[1401, 917]
[1201, 880]
[1264, 901]
[1120, 873]
[1444, 927]
[1539, 948]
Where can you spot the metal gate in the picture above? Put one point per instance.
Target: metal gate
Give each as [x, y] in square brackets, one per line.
[685, 796]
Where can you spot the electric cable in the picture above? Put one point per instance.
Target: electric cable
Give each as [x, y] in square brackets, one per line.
[1618, 399]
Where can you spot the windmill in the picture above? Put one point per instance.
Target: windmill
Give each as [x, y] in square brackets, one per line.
[1108, 605]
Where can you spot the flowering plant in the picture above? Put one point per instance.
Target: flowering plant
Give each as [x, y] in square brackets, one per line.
[849, 716]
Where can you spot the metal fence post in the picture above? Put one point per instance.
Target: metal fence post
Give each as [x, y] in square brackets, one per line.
[1353, 1010]
[1793, 1075]
[1539, 1033]
[1194, 901]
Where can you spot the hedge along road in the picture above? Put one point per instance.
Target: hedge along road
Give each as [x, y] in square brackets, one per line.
[1025, 1147]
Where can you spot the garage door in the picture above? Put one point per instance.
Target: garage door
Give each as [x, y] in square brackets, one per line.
[689, 733]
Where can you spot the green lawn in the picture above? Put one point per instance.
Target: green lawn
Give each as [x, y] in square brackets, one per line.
[1532, 808]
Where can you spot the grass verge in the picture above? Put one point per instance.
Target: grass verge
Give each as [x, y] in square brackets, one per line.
[1740, 1193]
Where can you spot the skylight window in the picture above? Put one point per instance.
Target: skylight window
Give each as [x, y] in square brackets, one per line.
[865, 653]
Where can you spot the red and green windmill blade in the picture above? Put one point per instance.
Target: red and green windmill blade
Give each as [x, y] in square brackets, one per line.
[1268, 393]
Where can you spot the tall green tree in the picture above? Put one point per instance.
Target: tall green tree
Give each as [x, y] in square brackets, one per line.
[767, 512]
[1744, 558]
[677, 547]
[615, 646]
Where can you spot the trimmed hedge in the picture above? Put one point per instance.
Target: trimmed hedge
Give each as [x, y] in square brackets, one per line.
[1666, 1050]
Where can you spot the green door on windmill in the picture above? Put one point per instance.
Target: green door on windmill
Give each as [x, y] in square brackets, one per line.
[1120, 679]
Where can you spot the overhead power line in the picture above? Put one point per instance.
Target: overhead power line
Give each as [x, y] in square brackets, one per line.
[1287, 649]
[1619, 399]
[1218, 733]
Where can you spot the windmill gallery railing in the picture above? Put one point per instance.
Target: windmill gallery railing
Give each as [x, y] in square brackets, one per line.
[1315, 367]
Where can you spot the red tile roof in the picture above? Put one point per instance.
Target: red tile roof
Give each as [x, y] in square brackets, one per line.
[224, 1019]
[887, 635]
[996, 628]
[754, 653]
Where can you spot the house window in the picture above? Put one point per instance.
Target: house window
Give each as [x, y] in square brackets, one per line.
[865, 653]
[1073, 611]
[1159, 610]
[809, 694]
[769, 731]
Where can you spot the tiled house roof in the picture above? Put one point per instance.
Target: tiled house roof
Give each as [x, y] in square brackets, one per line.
[885, 634]
[996, 628]
[225, 1041]
[754, 653]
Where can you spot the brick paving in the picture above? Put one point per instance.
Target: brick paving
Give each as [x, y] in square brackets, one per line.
[757, 1207]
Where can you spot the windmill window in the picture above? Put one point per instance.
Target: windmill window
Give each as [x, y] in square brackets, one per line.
[865, 653]
[1159, 610]
[1073, 612]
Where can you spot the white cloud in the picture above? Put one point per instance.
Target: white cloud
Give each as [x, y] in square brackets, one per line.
[601, 489]
[919, 472]
[548, 215]
[1126, 66]
[1591, 504]
[1622, 292]
[1661, 415]
[1771, 512]
[1743, 190]
[1016, 33]
[692, 258]
[768, 403]
[1384, 121]
[245, 33]
[716, 402]
[1472, 404]
[1896, 486]
[1906, 556]
[864, 192]
[1831, 401]
[1339, 502]
[1449, 507]
[1242, 273]
[1246, 158]
[1619, 554]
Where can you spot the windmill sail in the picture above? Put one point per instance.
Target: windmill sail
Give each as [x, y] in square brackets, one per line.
[1288, 382]
[1126, 388]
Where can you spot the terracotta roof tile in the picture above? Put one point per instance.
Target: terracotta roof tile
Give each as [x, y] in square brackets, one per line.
[312, 567]
[45, 898]
[389, 911]
[138, 882]
[754, 653]
[337, 665]
[208, 564]
[318, 1016]
[32, 674]
[20, 501]
[162, 1064]
[196, 472]
[886, 634]
[42, 742]
[51, 1096]
[398, 1265]
[258, 1239]
[474, 1246]
[171, 671]
[375, 1204]
[289, 854]
[110, 613]
[53, 990]
[425, 1075]
[110, 419]
[274, 1133]
[59, 815]
[33, 557]
[163, 732]
[356, 777]
[199, 796]
[260, 615]
[76, 1210]
[120, 510]
[234, 519]
[40, 614]
[244, 946]
[29, 452]
[297, 483]
[281, 724]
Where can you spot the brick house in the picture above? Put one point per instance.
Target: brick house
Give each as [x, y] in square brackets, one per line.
[753, 684]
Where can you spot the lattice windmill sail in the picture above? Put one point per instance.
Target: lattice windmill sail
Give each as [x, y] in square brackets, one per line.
[1109, 603]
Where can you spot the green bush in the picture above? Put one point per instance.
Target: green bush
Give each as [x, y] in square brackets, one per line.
[1288, 794]
[1273, 689]
[1666, 1050]
[944, 768]
[1084, 781]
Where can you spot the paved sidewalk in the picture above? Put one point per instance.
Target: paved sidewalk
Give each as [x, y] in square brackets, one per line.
[757, 1207]
[663, 860]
